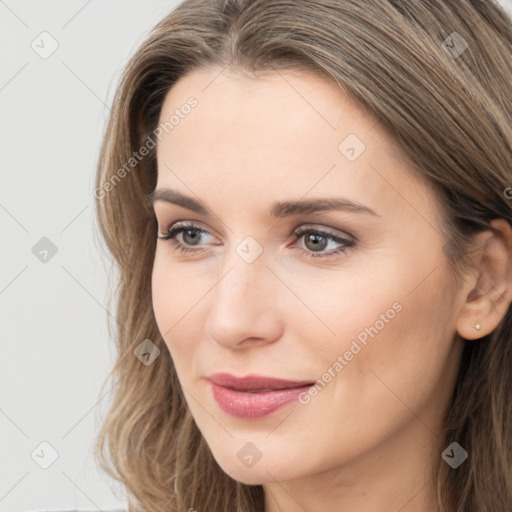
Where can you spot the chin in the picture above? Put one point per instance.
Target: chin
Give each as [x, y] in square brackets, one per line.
[262, 472]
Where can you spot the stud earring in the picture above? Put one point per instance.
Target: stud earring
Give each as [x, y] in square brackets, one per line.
[477, 326]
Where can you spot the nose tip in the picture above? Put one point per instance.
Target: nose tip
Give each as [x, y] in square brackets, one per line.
[224, 343]
[244, 309]
[238, 333]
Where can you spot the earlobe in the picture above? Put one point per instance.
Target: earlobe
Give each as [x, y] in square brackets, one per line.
[490, 285]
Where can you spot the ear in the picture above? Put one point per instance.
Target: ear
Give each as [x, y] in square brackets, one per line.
[488, 291]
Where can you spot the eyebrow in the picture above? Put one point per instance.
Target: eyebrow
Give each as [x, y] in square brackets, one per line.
[278, 210]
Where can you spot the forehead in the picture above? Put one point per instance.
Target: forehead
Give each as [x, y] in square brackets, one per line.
[231, 104]
[293, 132]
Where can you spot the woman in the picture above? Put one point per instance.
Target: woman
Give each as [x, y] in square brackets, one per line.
[308, 204]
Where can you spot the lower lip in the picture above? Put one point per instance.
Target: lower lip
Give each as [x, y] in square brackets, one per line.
[243, 404]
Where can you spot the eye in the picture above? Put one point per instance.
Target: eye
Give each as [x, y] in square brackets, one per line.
[191, 235]
[315, 240]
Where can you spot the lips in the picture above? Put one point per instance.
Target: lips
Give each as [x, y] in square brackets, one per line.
[254, 396]
[255, 383]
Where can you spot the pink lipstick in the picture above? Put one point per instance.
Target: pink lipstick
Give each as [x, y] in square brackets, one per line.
[254, 396]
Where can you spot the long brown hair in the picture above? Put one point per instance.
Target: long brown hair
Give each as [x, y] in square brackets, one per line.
[437, 75]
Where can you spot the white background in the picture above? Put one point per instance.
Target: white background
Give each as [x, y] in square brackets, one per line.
[55, 352]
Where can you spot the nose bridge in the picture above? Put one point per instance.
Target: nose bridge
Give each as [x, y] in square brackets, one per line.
[243, 272]
[244, 258]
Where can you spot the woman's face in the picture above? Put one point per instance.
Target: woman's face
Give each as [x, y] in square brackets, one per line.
[358, 297]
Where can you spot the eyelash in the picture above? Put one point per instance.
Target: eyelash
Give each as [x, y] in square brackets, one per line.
[299, 233]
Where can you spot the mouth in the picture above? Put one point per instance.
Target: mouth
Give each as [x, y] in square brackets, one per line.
[255, 396]
[255, 383]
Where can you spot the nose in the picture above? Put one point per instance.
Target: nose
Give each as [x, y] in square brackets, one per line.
[244, 305]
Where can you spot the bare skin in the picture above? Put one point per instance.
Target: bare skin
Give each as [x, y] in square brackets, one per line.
[366, 440]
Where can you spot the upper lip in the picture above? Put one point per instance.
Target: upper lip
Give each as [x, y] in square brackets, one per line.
[254, 382]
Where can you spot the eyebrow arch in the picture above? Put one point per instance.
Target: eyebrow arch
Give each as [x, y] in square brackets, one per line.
[279, 209]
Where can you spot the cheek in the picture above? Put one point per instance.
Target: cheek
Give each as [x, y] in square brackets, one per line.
[163, 296]
[178, 302]
[362, 329]
[392, 354]
[405, 340]
[342, 306]
[396, 323]
[175, 291]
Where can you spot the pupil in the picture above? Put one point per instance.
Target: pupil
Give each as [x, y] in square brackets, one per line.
[316, 244]
[194, 236]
